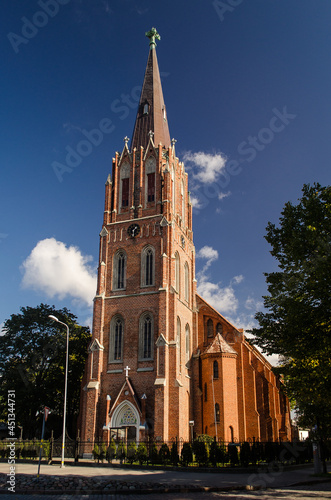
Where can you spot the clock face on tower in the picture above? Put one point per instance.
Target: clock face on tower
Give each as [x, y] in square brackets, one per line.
[133, 230]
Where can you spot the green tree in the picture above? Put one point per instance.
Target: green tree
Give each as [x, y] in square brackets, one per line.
[164, 454]
[142, 454]
[32, 362]
[96, 452]
[132, 452]
[186, 454]
[297, 321]
[200, 452]
[121, 451]
[111, 451]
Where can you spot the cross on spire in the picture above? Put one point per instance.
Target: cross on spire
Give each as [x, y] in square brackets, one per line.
[127, 371]
[152, 35]
[126, 140]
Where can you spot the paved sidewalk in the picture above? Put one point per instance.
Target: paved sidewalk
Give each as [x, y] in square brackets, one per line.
[108, 479]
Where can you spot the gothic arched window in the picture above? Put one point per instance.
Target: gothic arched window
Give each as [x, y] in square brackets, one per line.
[179, 343]
[183, 203]
[177, 272]
[148, 266]
[124, 186]
[186, 282]
[146, 336]
[173, 184]
[150, 169]
[215, 369]
[217, 412]
[210, 328]
[187, 342]
[116, 339]
[219, 328]
[119, 270]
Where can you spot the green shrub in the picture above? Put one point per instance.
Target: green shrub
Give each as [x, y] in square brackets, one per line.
[174, 457]
[233, 454]
[217, 453]
[200, 452]
[153, 454]
[245, 454]
[96, 452]
[132, 452]
[103, 452]
[186, 455]
[111, 451]
[142, 454]
[164, 454]
[205, 438]
[121, 451]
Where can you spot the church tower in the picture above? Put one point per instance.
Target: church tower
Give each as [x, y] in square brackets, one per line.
[162, 359]
[138, 374]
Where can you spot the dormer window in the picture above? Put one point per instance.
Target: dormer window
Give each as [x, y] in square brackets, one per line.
[145, 110]
[164, 114]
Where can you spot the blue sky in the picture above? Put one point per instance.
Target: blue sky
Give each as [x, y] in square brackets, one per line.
[247, 88]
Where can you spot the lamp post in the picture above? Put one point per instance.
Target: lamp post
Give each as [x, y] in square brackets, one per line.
[54, 318]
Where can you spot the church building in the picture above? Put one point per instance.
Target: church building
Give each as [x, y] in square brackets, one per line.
[162, 362]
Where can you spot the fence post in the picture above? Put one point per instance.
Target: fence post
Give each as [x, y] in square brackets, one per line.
[51, 448]
[77, 442]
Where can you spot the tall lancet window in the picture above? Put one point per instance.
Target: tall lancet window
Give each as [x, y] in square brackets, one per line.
[146, 335]
[119, 270]
[150, 169]
[179, 345]
[173, 185]
[187, 343]
[186, 282]
[177, 272]
[116, 339]
[148, 266]
[183, 202]
[124, 186]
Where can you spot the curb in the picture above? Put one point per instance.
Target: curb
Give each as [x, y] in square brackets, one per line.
[175, 489]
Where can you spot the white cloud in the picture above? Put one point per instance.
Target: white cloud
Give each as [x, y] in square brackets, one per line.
[206, 167]
[195, 202]
[221, 196]
[208, 253]
[221, 298]
[59, 271]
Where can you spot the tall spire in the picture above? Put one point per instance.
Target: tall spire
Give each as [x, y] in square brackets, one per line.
[151, 115]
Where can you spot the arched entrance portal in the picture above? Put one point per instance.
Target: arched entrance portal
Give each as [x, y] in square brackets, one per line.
[126, 415]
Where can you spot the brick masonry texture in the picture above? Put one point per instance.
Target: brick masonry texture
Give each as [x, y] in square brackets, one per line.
[158, 396]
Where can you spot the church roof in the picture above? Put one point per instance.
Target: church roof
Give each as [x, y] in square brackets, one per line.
[219, 345]
[151, 115]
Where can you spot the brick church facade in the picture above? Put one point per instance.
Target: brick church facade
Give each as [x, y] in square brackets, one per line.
[162, 361]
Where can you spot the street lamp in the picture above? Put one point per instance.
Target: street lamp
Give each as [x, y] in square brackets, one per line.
[54, 318]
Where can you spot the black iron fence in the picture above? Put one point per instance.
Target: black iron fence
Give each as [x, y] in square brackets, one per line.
[203, 451]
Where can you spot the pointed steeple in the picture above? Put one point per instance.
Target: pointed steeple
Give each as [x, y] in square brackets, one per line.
[151, 115]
